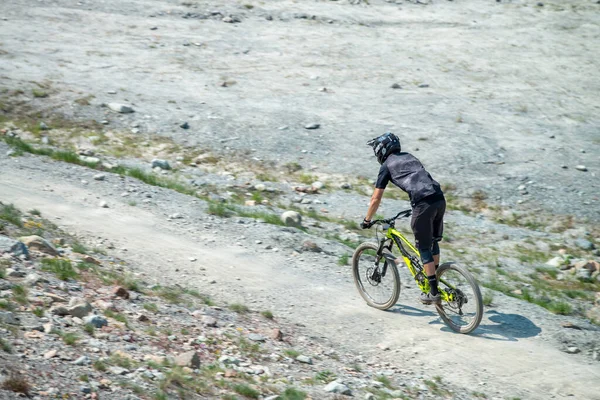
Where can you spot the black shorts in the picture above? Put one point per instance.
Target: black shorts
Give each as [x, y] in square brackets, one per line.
[427, 221]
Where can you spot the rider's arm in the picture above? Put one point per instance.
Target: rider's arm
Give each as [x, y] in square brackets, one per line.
[383, 178]
[374, 205]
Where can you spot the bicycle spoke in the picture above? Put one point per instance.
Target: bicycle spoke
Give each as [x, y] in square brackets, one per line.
[379, 290]
[462, 307]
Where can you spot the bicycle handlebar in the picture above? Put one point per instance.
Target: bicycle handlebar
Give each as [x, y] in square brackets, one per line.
[401, 214]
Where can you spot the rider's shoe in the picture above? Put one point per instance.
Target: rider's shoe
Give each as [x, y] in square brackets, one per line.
[428, 298]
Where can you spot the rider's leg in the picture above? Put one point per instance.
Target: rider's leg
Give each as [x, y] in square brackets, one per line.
[435, 250]
[429, 265]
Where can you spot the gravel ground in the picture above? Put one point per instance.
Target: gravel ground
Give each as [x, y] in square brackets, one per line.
[493, 95]
[260, 265]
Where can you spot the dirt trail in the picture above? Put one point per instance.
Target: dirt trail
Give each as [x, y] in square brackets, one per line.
[507, 356]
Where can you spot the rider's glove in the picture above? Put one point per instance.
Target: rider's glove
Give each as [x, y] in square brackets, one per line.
[366, 224]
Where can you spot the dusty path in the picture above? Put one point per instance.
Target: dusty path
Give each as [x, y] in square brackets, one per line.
[510, 355]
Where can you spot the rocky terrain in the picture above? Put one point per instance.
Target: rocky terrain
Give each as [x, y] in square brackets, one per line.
[181, 185]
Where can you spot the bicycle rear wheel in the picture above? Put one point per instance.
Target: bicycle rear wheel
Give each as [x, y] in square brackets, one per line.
[379, 286]
[463, 309]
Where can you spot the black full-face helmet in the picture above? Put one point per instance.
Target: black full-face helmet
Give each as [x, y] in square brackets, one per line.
[384, 145]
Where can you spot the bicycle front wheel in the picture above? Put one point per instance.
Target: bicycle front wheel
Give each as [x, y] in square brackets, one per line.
[377, 282]
[461, 307]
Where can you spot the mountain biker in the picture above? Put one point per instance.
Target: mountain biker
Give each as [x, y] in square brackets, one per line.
[426, 197]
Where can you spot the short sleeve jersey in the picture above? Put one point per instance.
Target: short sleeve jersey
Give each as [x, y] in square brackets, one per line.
[406, 171]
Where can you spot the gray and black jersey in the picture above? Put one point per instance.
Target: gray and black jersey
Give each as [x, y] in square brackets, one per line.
[407, 172]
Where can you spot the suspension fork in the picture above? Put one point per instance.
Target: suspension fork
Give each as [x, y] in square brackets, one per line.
[388, 256]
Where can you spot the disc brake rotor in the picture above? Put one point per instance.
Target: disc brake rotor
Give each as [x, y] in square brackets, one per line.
[373, 275]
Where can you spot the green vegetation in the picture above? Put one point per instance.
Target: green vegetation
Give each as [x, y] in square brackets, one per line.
[152, 307]
[292, 167]
[5, 346]
[100, 365]
[35, 212]
[17, 383]
[89, 329]
[246, 391]
[239, 308]
[122, 361]
[267, 314]
[10, 213]
[343, 260]
[292, 394]
[325, 376]
[219, 210]
[6, 305]
[291, 353]
[307, 179]
[488, 298]
[386, 381]
[20, 293]
[70, 338]
[116, 316]
[38, 312]
[63, 269]
[39, 93]
[79, 248]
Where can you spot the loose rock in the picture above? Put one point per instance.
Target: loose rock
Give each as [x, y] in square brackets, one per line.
[291, 218]
[162, 164]
[40, 244]
[120, 108]
[336, 387]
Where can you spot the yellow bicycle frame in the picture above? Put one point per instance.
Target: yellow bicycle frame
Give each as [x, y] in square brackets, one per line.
[397, 237]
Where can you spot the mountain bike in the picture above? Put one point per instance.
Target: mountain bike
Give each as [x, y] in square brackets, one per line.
[378, 281]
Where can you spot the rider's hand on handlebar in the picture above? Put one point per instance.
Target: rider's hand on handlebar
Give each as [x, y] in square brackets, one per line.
[366, 224]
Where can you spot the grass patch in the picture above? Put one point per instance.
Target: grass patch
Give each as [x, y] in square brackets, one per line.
[292, 167]
[10, 213]
[20, 293]
[488, 298]
[6, 305]
[248, 348]
[246, 391]
[325, 376]
[386, 381]
[35, 212]
[343, 260]
[63, 269]
[100, 365]
[560, 307]
[89, 329]
[291, 353]
[292, 394]
[116, 316]
[39, 94]
[17, 383]
[120, 361]
[172, 295]
[5, 346]
[307, 179]
[152, 307]
[38, 312]
[79, 248]
[552, 272]
[267, 314]
[70, 338]
[219, 209]
[239, 308]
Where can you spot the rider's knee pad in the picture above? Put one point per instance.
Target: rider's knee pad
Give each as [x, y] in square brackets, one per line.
[435, 249]
[426, 256]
